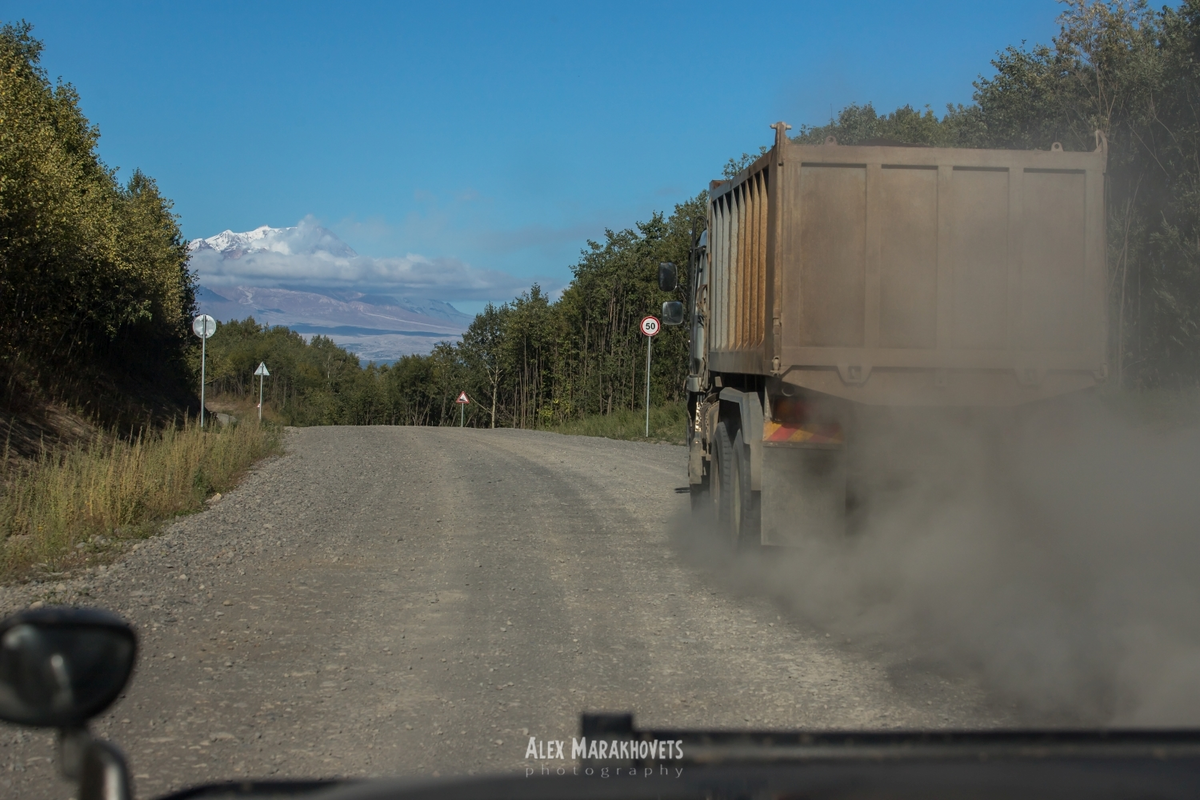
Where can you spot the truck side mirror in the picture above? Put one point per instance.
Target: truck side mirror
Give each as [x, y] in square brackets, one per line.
[667, 280]
[672, 312]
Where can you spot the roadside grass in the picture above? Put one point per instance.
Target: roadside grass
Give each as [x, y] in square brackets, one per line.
[70, 508]
[245, 409]
[667, 424]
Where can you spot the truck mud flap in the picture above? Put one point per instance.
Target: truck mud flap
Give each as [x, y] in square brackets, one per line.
[696, 463]
[750, 413]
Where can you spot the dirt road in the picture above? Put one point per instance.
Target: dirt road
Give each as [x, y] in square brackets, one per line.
[422, 601]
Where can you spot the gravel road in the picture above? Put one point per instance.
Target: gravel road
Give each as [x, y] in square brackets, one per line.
[421, 601]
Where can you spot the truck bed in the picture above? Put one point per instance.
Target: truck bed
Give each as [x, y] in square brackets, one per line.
[912, 276]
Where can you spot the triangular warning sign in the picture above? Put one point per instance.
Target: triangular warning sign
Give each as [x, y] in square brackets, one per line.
[462, 398]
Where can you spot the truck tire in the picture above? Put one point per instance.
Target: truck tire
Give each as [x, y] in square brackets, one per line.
[748, 515]
[737, 507]
[721, 479]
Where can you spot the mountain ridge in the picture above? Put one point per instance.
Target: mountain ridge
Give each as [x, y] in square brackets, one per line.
[373, 325]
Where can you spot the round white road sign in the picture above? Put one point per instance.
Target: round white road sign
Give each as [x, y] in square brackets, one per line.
[651, 326]
[204, 326]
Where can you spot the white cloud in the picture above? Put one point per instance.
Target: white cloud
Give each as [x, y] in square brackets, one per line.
[308, 254]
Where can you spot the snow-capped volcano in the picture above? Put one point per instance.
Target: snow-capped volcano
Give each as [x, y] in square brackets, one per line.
[308, 279]
[310, 255]
[303, 239]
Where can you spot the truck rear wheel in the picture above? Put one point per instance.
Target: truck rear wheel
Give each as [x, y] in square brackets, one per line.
[737, 510]
[748, 533]
[721, 477]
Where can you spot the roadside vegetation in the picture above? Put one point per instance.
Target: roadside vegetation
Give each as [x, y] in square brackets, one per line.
[668, 424]
[97, 361]
[95, 293]
[69, 508]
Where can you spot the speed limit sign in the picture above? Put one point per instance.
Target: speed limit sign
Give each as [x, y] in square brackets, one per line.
[651, 326]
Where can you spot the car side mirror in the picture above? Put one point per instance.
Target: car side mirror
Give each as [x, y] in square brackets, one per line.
[59, 667]
[667, 279]
[672, 312]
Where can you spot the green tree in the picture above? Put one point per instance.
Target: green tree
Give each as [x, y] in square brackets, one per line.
[93, 274]
[483, 351]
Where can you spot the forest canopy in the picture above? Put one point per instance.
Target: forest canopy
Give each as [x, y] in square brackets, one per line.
[94, 281]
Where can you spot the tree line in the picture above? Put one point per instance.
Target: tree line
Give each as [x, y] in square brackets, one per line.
[531, 362]
[95, 291]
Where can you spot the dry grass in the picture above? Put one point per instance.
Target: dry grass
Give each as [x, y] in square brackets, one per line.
[68, 508]
[244, 408]
[667, 424]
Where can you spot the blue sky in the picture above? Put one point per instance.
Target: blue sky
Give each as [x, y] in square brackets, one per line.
[498, 135]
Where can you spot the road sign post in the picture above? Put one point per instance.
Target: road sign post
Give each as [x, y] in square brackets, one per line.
[203, 326]
[650, 327]
[261, 372]
[462, 401]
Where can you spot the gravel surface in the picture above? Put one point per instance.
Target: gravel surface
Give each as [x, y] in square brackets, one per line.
[421, 601]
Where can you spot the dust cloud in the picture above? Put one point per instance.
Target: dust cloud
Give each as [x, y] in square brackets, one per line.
[1055, 557]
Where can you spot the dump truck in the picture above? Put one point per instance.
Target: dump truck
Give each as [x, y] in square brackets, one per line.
[834, 279]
